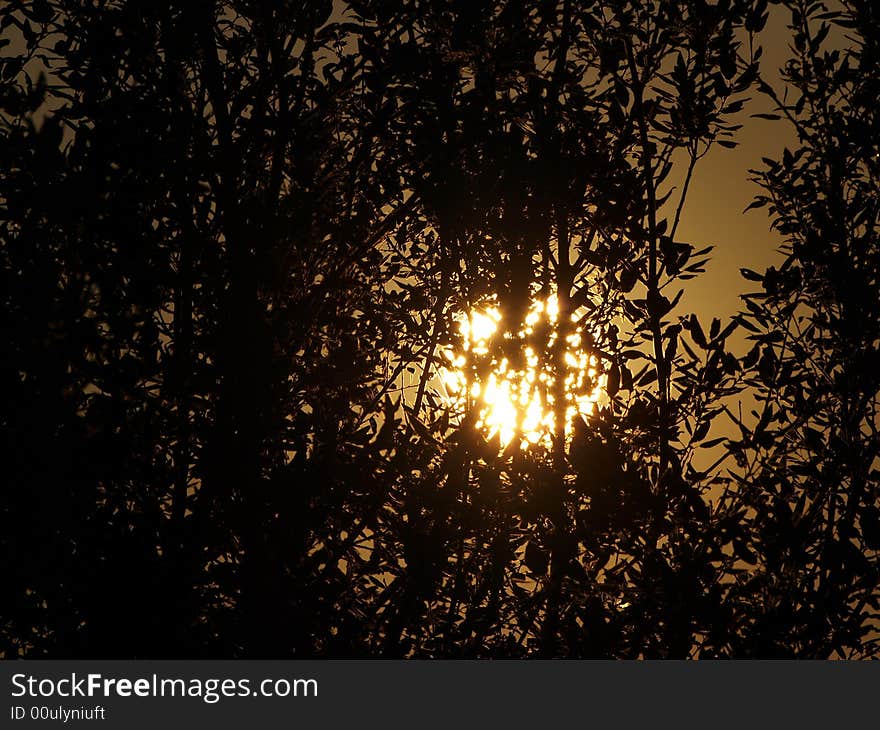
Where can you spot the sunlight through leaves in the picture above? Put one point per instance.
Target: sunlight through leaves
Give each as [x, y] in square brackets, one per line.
[509, 377]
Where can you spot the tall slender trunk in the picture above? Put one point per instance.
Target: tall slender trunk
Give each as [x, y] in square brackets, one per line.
[237, 488]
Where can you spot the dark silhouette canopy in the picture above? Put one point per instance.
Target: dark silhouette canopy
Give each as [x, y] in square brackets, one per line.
[244, 416]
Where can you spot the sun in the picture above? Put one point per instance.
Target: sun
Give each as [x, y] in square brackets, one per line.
[506, 376]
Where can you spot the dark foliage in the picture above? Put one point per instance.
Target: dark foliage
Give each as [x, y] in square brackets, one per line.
[809, 479]
[237, 242]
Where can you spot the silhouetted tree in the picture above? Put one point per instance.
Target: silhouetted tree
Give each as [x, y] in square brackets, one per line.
[239, 240]
[809, 474]
[541, 139]
[190, 248]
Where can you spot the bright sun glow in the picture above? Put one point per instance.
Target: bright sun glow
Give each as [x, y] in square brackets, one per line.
[516, 400]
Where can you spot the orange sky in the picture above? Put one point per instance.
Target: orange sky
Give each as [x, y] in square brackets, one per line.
[721, 189]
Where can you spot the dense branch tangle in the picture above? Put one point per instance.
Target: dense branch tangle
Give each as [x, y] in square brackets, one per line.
[264, 216]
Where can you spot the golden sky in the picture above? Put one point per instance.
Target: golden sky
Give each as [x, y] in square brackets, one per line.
[721, 190]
